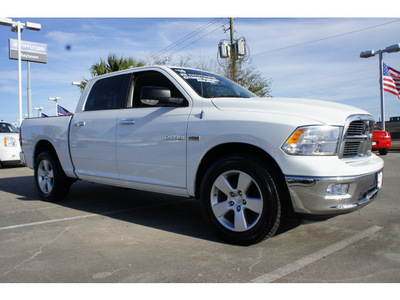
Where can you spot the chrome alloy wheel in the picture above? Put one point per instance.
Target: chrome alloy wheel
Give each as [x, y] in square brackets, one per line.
[236, 201]
[45, 177]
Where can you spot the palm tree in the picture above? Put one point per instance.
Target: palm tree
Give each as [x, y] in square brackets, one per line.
[112, 64]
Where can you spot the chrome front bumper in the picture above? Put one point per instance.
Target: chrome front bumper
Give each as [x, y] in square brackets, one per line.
[309, 195]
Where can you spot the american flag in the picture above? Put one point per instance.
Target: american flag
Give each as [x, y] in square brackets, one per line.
[61, 111]
[391, 80]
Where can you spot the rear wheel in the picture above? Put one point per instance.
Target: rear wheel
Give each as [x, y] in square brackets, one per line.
[240, 200]
[383, 151]
[51, 182]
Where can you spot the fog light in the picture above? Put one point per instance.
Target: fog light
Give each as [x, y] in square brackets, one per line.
[337, 190]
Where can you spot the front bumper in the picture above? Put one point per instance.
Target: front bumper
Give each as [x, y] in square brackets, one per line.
[9, 154]
[22, 158]
[309, 194]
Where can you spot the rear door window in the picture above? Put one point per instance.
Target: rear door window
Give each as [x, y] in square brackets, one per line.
[108, 93]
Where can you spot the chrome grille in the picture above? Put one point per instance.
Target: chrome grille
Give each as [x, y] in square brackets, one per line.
[357, 138]
[351, 148]
[355, 128]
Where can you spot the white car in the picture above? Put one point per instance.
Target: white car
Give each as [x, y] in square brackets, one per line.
[9, 144]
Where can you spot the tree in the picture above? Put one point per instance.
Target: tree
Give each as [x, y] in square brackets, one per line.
[249, 77]
[112, 64]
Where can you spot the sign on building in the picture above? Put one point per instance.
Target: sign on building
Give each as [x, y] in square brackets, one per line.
[30, 51]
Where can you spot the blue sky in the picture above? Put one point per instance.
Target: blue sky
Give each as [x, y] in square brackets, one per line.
[312, 56]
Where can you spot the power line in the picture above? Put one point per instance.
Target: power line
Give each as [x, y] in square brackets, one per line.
[186, 37]
[199, 39]
[326, 38]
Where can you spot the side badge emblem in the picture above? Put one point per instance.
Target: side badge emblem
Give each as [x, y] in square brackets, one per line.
[174, 138]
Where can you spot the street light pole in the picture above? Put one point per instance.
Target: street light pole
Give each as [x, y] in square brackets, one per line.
[55, 99]
[382, 95]
[39, 109]
[371, 53]
[18, 27]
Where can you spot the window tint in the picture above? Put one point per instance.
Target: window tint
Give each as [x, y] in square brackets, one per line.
[155, 79]
[108, 93]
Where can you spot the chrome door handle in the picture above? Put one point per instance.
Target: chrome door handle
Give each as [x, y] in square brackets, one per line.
[127, 122]
[79, 124]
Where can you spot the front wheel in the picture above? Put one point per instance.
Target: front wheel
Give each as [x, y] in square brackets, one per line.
[51, 182]
[240, 200]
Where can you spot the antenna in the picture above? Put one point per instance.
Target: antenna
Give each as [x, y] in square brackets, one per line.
[201, 83]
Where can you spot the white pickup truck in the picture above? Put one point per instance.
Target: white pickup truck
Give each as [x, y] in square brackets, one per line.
[192, 133]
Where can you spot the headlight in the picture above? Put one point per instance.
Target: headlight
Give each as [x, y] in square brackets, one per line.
[9, 141]
[313, 140]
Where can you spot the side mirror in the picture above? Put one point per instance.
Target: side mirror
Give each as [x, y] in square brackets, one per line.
[153, 95]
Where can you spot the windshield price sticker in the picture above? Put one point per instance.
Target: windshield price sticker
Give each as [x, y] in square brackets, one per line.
[200, 78]
[195, 76]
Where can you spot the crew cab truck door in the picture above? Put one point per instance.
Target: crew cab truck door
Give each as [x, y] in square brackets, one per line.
[93, 131]
[151, 135]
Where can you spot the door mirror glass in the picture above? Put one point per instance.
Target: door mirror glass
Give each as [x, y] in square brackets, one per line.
[154, 95]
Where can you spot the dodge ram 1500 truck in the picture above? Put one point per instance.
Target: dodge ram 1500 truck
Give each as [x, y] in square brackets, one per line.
[192, 133]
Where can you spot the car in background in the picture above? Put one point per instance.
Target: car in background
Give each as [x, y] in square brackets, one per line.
[382, 141]
[9, 144]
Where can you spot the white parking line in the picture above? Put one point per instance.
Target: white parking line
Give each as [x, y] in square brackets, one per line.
[88, 215]
[302, 262]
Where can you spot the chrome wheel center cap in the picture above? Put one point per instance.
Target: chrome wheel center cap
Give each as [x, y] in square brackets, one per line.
[238, 199]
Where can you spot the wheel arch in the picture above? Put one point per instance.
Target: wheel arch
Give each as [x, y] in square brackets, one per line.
[249, 150]
[42, 146]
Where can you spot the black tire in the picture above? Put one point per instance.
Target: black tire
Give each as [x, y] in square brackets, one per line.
[383, 151]
[51, 182]
[240, 200]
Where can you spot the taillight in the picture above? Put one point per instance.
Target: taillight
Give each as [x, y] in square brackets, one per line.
[20, 136]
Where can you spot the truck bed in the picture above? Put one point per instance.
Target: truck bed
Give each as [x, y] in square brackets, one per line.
[55, 130]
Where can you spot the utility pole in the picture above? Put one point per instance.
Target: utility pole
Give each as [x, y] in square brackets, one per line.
[233, 50]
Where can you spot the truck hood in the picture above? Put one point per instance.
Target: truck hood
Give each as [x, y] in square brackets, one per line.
[320, 111]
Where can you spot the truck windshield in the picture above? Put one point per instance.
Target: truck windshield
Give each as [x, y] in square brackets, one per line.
[209, 85]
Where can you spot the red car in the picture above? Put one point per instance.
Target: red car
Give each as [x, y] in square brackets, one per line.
[382, 141]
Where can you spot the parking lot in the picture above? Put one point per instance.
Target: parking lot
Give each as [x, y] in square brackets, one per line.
[108, 234]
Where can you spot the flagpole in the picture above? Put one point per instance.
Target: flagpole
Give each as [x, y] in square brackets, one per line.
[371, 53]
[382, 94]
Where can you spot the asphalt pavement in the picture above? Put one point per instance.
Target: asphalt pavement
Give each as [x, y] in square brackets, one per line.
[102, 234]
